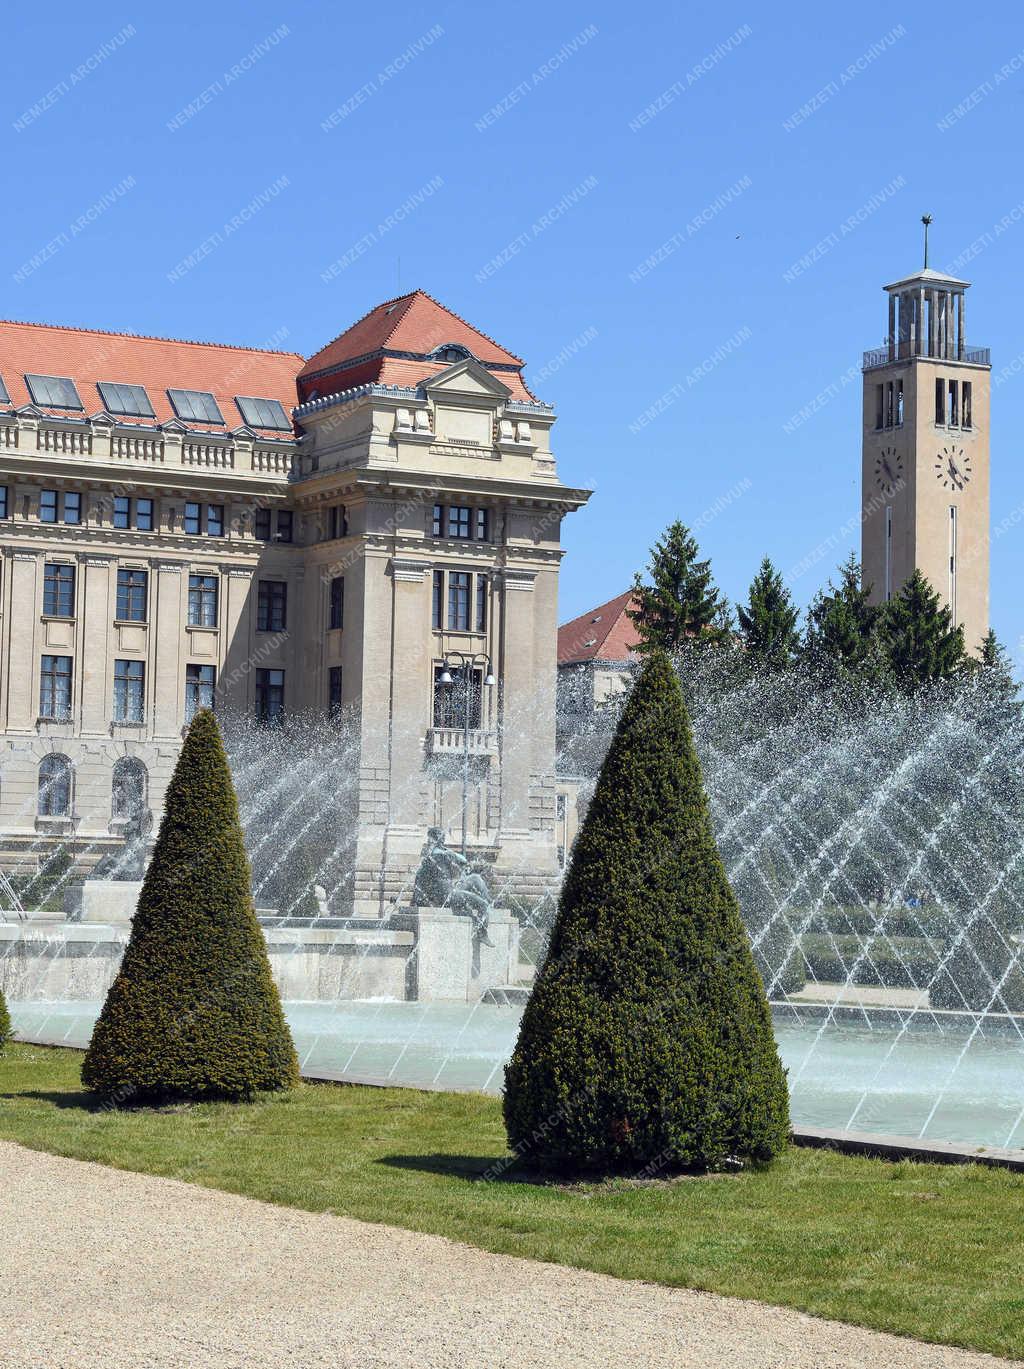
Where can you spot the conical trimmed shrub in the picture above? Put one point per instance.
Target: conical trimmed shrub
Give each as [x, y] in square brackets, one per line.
[647, 1040]
[5, 1022]
[193, 1012]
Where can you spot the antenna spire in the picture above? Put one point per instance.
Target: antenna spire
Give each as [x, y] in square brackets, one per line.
[926, 220]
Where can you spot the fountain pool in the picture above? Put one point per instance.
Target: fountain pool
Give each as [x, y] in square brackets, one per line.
[939, 1083]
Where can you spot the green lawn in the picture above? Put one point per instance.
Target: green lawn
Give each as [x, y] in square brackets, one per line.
[927, 1250]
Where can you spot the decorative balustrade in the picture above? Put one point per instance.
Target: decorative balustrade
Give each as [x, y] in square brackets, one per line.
[272, 462]
[8, 435]
[66, 441]
[125, 447]
[208, 454]
[451, 741]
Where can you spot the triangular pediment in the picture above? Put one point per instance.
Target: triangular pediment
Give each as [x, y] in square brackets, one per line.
[466, 377]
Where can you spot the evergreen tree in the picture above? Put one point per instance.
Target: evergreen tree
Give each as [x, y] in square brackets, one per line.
[842, 626]
[648, 1034]
[682, 600]
[919, 637]
[5, 1022]
[768, 620]
[193, 1012]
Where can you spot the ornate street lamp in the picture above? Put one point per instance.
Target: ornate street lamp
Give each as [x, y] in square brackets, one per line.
[456, 663]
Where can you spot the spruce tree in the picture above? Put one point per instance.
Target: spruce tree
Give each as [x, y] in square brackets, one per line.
[193, 1012]
[648, 1037]
[842, 626]
[682, 601]
[919, 637]
[768, 620]
[5, 1022]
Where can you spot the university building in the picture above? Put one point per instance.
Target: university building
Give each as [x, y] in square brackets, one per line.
[359, 535]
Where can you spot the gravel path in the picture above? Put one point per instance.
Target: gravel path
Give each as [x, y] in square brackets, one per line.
[101, 1269]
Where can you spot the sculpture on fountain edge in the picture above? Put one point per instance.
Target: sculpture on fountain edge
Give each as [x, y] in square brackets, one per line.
[446, 879]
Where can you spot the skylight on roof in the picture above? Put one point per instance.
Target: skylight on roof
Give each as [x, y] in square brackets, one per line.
[5, 398]
[125, 399]
[53, 392]
[199, 406]
[263, 413]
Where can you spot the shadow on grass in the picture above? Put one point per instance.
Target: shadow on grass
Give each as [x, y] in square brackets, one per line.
[63, 1098]
[476, 1168]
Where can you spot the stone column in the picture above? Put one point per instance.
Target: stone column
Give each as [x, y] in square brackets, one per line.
[961, 331]
[518, 683]
[892, 327]
[165, 658]
[94, 685]
[22, 640]
[235, 684]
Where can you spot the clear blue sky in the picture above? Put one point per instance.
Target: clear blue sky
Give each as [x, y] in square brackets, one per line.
[522, 164]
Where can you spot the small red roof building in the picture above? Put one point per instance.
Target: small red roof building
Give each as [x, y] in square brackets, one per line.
[606, 633]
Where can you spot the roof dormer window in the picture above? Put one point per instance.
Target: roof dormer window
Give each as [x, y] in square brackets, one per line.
[53, 392]
[450, 352]
[196, 406]
[263, 413]
[5, 398]
[125, 399]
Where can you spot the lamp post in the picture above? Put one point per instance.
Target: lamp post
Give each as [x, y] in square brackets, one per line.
[464, 665]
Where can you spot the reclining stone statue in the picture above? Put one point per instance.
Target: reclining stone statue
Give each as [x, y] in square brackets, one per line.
[446, 879]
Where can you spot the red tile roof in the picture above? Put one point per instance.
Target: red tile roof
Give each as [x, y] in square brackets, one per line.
[606, 633]
[391, 345]
[88, 355]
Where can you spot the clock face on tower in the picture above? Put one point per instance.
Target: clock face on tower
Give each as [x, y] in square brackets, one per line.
[953, 467]
[889, 470]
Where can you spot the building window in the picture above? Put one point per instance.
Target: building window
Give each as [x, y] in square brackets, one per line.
[438, 605]
[132, 593]
[940, 402]
[334, 691]
[192, 522]
[888, 552]
[337, 614]
[481, 603]
[458, 522]
[59, 590]
[481, 525]
[261, 525]
[144, 515]
[143, 511]
[952, 404]
[202, 601]
[890, 407]
[337, 522]
[269, 695]
[122, 512]
[200, 683]
[128, 788]
[129, 691]
[458, 601]
[54, 787]
[272, 606]
[3, 501]
[965, 408]
[879, 406]
[952, 561]
[47, 506]
[55, 689]
[461, 522]
[450, 700]
[284, 525]
[215, 520]
[899, 403]
[438, 525]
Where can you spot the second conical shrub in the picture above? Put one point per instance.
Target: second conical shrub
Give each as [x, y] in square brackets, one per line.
[193, 1012]
[5, 1022]
[647, 1041]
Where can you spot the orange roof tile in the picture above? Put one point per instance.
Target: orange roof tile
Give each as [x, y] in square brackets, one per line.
[606, 633]
[392, 344]
[89, 355]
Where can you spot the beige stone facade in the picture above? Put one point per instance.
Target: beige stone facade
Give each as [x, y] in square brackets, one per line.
[925, 469]
[436, 505]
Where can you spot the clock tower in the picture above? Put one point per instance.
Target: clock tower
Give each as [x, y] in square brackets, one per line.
[925, 468]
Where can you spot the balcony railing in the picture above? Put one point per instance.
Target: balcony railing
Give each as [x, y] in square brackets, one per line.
[903, 350]
[451, 741]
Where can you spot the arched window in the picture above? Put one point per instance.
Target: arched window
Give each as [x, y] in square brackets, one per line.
[129, 788]
[450, 352]
[55, 787]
